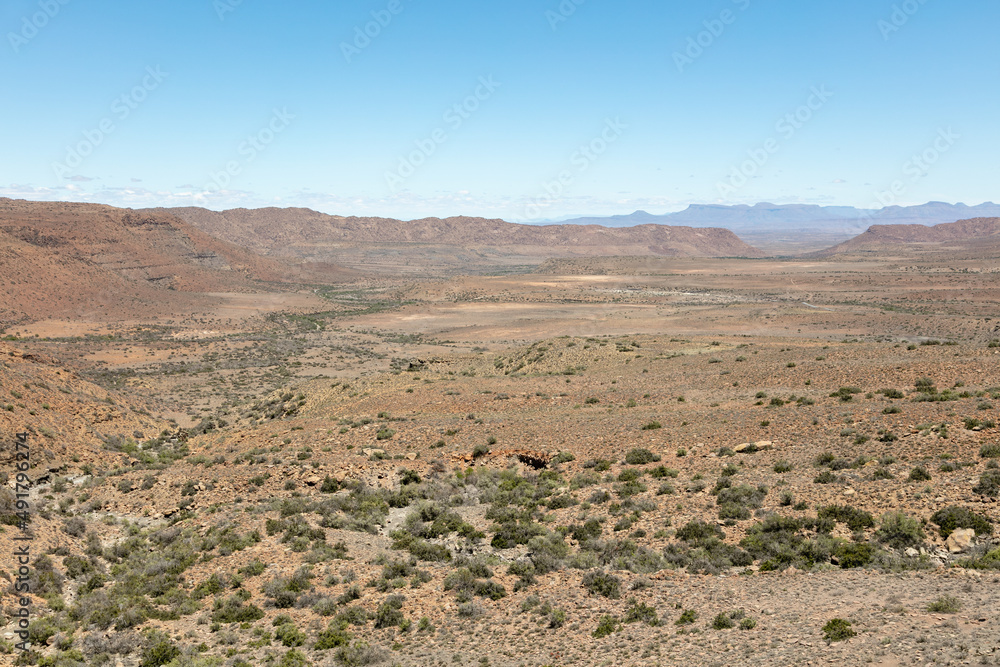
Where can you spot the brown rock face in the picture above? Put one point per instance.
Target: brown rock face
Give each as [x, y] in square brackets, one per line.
[66, 259]
[462, 243]
[882, 238]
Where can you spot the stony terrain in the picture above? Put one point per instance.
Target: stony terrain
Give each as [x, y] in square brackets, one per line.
[612, 461]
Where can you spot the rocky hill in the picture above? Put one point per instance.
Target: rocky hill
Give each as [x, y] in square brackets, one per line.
[458, 243]
[68, 259]
[64, 414]
[982, 232]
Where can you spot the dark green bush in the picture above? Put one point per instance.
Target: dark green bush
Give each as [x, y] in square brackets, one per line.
[899, 531]
[641, 456]
[837, 629]
[640, 611]
[723, 622]
[854, 518]
[989, 483]
[388, 615]
[687, 617]
[159, 651]
[598, 582]
[953, 517]
[606, 626]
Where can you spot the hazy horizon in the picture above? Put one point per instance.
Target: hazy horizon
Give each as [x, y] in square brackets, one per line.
[525, 111]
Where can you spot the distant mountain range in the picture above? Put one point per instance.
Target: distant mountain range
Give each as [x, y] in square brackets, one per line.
[773, 217]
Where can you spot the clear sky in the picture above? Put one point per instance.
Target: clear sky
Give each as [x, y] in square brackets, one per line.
[522, 109]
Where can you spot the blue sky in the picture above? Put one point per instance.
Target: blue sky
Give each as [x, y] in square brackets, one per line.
[526, 109]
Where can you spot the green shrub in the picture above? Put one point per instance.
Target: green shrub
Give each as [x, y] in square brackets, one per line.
[990, 451]
[660, 472]
[854, 554]
[899, 531]
[289, 635]
[334, 636]
[232, 610]
[490, 589]
[652, 426]
[723, 622]
[825, 477]
[989, 483]
[837, 629]
[687, 617]
[953, 517]
[294, 659]
[641, 456]
[388, 615]
[919, 474]
[598, 582]
[946, 604]
[629, 475]
[159, 652]
[748, 623]
[782, 467]
[854, 518]
[641, 612]
[606, 626]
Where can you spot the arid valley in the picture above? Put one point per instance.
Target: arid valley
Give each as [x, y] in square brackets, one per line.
[569, 457]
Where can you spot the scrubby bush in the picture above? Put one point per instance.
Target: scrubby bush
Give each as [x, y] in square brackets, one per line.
[854, 518]
[388, 614]
[825, 477]
[640, 611]
[989, 483]
[687, 617]
[946, 604]
[782, 467]
[899, 531]
[289, 635]
[598, 582]
[605, 626]
[723, 622]
[640, 456]
[837, 629]
[951, 518]
[232, 610]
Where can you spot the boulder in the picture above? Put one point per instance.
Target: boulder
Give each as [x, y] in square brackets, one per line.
[961, 540]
